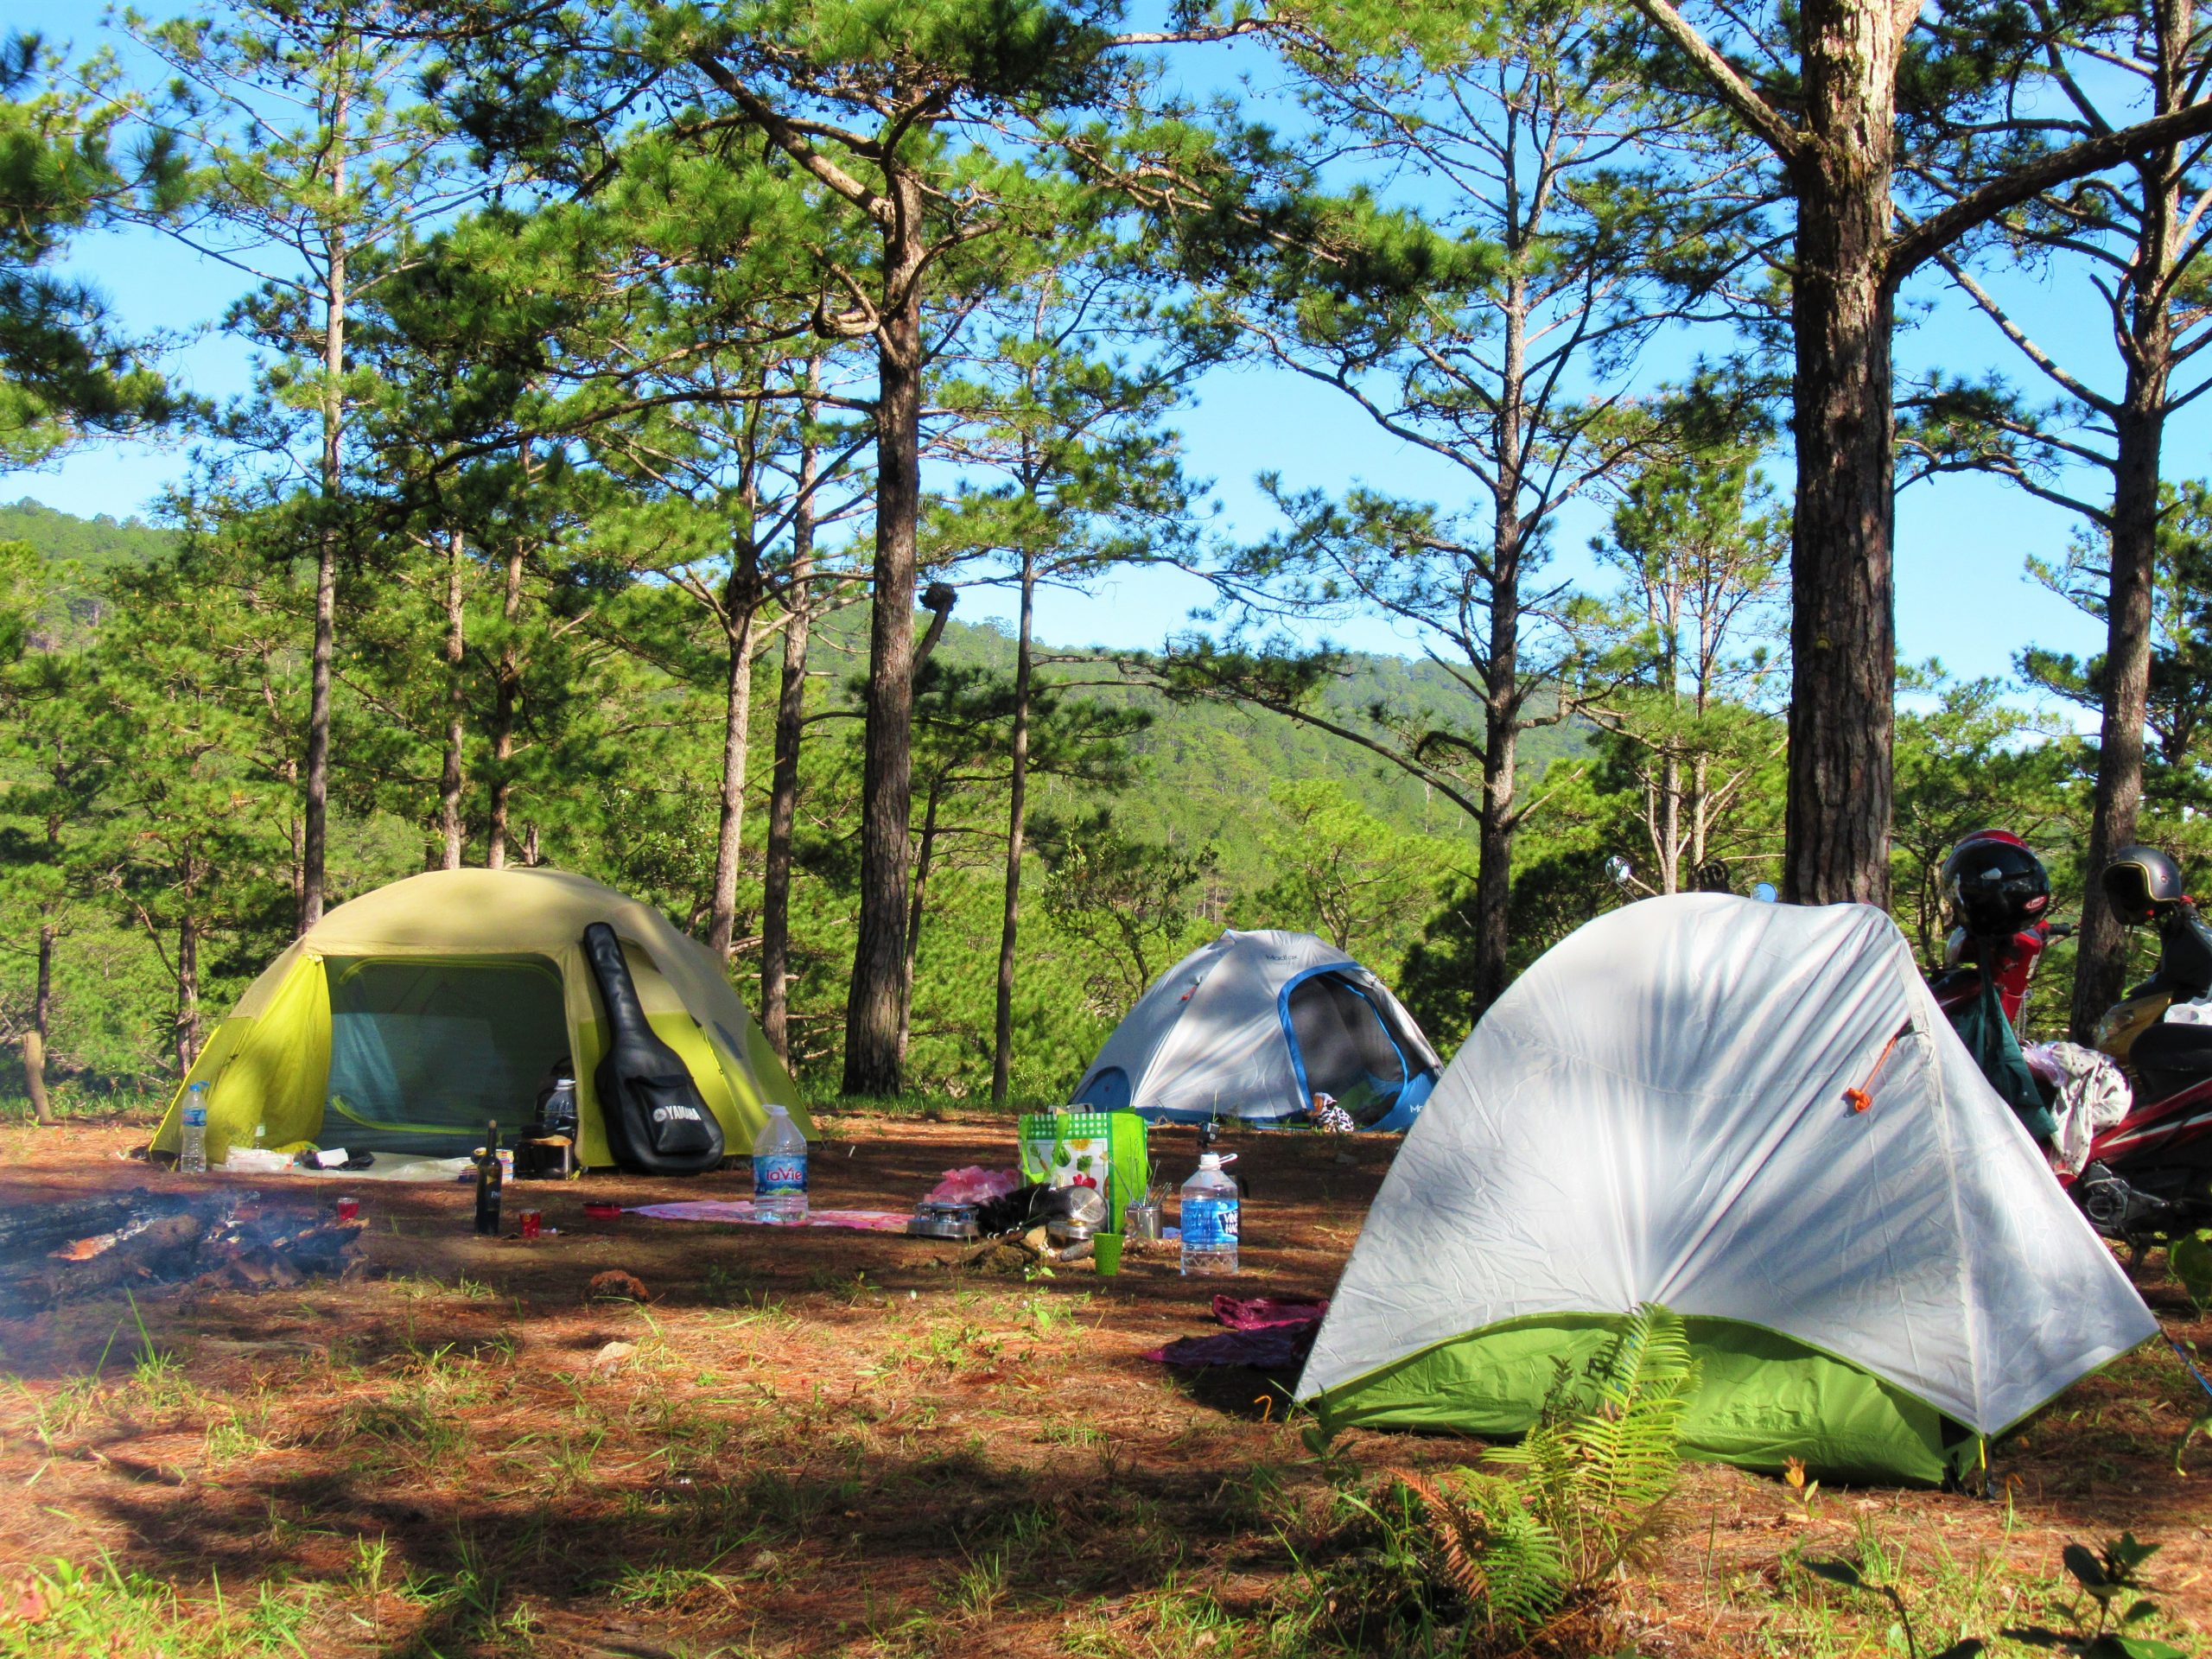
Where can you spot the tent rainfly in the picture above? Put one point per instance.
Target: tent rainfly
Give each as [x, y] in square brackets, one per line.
[1252, 1027]
[1757, 1116]
[405, 1019]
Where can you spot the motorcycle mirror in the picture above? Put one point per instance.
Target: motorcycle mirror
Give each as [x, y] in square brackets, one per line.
[1765, 893]
[1619, 871]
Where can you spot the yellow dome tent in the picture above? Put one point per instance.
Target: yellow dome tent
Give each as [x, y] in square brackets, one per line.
[406, 1018]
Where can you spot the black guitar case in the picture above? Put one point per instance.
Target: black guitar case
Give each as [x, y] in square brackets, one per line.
[657, 1123]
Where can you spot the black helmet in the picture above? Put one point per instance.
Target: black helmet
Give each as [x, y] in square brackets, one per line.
[1996, 885]
[2140, 882]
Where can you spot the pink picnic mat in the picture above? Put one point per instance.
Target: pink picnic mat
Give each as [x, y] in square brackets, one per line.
[858, 1221]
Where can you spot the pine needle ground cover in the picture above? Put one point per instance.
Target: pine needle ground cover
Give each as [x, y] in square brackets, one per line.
[839, 1444]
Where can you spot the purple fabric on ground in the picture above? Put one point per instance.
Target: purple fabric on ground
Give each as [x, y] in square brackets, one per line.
[1263, 1333]
[1257, 1312]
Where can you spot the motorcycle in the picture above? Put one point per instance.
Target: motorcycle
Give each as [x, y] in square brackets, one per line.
[2150, 1172]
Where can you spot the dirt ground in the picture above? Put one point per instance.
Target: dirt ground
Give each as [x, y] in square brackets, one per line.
[823, 1442]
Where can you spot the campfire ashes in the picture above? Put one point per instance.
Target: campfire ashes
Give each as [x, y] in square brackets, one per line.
[53, 1253]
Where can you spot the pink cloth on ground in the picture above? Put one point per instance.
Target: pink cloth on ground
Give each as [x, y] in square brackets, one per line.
[740, 1209]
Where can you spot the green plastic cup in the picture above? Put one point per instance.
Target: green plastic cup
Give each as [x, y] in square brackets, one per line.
[1106, 1251]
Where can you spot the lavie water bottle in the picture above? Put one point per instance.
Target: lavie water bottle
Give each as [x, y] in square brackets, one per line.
[780, 1170]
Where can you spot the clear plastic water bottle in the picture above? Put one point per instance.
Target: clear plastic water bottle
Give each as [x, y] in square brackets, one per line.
[1210, 1218]
[780, 1170]
[192, 1153]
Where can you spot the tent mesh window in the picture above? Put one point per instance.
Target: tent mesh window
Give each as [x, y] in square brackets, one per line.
[1347, 1048]
[423, 1052]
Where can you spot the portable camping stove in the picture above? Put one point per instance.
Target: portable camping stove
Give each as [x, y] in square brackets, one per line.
[944, 1221]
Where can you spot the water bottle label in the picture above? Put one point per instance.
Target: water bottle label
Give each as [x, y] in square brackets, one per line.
[1209, 1223]
[778, 1175]
[195, 1117]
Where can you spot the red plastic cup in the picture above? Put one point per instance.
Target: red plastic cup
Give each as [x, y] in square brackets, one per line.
[348, 1208]
[532, 1220]
[600, 1210]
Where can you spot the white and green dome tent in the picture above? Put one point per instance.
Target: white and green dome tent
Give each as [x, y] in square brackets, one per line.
[1754, 1115]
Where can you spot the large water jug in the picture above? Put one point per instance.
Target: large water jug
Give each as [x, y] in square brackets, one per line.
[1210, 1218]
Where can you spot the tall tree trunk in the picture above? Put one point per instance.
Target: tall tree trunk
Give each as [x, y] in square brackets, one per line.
[782, 784]
[1701, 767]
[740, 601]
[1700, 810]
[923, 854]
[450, 826]
[506, 706]
[1494, 857]
[1501, 678]
[42, 1027]
[187, 992]
[315, 826]
[2101, 958]
[1017, 794]
[1843, 643]
[316, 829]
[295, 840]
[1670, 770]
[886, 776]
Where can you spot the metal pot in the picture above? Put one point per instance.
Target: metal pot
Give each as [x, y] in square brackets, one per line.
[545, 1158]
[1086, 1216]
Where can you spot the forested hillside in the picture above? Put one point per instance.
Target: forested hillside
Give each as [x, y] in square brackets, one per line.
[98, 546]
[152, 836]
[1169, 820]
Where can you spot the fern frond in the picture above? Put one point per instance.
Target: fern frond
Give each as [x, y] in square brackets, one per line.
[1505, 1562]
[1600, 1474]
[1525, 1567]
[1458, 1532]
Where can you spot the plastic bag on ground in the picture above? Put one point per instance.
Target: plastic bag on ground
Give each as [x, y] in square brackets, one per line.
[974, 1185]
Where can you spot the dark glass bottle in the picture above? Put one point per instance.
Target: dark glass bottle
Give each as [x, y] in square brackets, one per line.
[489, 1178]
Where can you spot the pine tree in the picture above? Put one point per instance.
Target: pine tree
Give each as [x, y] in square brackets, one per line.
[1567, 209]
[1078, 476]
[1838, 86]
[319, 204]
[65, 373]
[936, 130]
[2136, 230]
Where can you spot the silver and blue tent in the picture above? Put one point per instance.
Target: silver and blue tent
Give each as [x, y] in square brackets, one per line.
[1252, 1027]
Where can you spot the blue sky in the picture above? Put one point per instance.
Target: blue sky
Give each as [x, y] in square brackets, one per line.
[1962, 593]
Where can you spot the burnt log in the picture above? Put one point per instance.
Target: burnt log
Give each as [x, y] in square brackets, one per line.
[163, 1248]
[35, 1229]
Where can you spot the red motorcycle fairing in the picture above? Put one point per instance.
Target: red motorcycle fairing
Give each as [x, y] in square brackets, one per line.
[2172, 1136]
